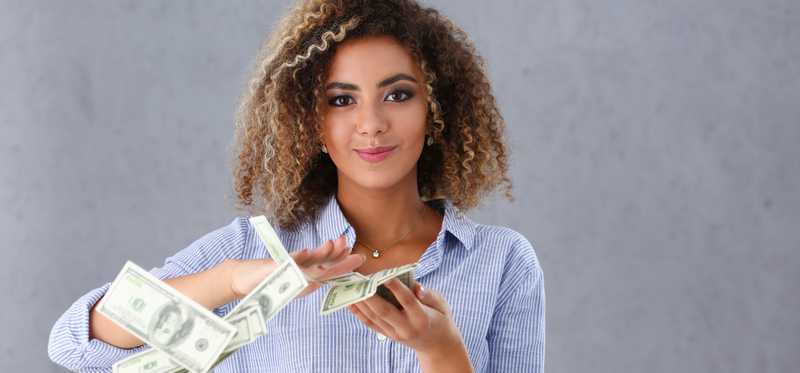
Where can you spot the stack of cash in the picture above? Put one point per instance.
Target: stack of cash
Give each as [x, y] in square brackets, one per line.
[354, 287]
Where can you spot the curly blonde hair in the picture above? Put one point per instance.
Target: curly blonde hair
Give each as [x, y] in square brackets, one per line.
[278, 120]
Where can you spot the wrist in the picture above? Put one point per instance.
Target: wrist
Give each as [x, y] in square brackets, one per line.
[446, 359]
[442, 352]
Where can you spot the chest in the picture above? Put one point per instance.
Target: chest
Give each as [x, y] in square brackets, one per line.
[388, 259]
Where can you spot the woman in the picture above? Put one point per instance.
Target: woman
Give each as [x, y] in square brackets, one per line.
[367, 129]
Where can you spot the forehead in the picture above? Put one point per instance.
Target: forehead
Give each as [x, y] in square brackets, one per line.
[370, 59]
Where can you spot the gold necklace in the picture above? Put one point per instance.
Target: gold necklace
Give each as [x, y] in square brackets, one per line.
[376, 253]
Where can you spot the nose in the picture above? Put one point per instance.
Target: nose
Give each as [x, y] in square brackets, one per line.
[371, 121]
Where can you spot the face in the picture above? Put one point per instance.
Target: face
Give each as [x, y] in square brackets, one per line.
[374, 97]
[166, 329]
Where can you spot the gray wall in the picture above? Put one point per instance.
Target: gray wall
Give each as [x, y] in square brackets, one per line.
[655, 160]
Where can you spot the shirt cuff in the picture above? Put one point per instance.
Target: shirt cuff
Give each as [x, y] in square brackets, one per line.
[70, 345]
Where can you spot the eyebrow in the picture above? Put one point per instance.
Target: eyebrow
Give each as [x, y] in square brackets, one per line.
[383, 83]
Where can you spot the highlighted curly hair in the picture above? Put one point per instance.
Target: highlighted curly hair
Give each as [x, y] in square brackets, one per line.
[279, 168]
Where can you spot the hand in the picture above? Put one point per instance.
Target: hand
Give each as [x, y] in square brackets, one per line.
[424, 324]
[329, 260]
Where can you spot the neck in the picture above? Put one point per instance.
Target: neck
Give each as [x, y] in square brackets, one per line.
[381, 217]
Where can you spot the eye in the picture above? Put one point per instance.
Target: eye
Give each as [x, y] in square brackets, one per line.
[335, 100]
[404, 92]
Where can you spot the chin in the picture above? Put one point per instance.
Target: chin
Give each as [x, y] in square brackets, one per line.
[377, 181]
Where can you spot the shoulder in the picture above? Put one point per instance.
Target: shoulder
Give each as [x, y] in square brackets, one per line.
[223, 242]
[233, 232]
[512, 247]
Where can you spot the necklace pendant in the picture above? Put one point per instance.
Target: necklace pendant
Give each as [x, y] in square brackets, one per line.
[376, 254]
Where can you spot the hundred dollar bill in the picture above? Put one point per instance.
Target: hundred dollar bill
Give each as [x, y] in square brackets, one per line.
[249, 325]
[352, 290]
[264, 302]
[274, 291]
[272, 294]
[345, 279]
[274, 246]
[343, 295]
[407, 278]
[150, 361]
[167, 320]
[387, 274]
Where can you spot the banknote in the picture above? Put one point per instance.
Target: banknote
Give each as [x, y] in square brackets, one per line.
[167, 320]
[275, 291]
[249, 317]
[407, 278]
[267, 298]
[385, 275]
[273, 244]
[249, 325]
[354, 290]
[345, 279]
[150, 361]
[343, 295]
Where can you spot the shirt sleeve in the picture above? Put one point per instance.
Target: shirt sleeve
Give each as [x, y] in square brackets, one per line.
[69, 344]
[516, 334]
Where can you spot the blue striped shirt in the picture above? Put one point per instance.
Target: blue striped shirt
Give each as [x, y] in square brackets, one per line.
[490, 276]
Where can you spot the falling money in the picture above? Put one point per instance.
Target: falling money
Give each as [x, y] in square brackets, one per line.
[186, 336]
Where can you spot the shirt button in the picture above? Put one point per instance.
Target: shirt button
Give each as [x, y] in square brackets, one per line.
[381, 337]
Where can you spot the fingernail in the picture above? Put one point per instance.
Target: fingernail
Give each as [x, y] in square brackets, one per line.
[363, 257]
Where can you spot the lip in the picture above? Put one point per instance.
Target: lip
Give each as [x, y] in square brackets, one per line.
[375, 154]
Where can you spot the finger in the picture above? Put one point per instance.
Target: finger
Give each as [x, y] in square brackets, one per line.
[410, 303]
[321, 252]
[376, 319]
[389, 314]
[339, 250]
[321, 261]
[434, 300]
[339, 247]
[300, 256]
[348, 264]
[365, 320]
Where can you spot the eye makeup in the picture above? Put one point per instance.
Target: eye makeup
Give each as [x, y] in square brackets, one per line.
[402, 94]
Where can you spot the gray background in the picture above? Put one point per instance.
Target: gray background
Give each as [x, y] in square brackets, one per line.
[654, 154]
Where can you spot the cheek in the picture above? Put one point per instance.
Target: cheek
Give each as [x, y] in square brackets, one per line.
[335, 131]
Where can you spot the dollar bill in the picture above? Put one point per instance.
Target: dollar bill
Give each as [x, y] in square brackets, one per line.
[273, 244]
[249, 325]
[167, 320]
[275, 291]
[407, 278]
[249, 317]
[353, 290]
[345, 279]
[150, 361]
[343, 295]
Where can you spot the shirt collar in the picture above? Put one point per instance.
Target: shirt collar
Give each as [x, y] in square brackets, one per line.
[332, 223]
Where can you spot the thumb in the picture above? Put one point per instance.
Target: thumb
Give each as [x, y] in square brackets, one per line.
[432, 299]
